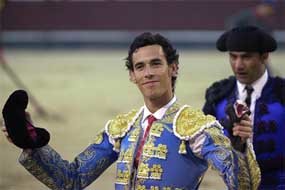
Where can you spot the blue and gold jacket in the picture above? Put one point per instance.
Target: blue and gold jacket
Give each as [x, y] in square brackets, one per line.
[178, 151]
[269, 125]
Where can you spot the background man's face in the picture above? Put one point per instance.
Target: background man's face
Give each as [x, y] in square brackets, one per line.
[247, 66]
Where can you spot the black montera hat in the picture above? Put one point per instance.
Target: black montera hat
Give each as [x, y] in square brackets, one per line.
[22, 133]
[247, 39]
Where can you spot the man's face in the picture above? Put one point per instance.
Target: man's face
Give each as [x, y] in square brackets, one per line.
[152, 74]
[247, 66]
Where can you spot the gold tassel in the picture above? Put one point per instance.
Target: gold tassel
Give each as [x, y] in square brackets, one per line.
[117, 145]
[182, 148]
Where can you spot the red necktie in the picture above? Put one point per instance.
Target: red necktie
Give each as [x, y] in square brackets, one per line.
[150, 120]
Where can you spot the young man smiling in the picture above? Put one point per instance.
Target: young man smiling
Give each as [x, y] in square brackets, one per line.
[152, 74]
[161, 146]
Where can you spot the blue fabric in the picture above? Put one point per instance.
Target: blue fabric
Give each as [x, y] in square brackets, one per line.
[164, 168]
[269, 134]
[180, 171]
[56, 173]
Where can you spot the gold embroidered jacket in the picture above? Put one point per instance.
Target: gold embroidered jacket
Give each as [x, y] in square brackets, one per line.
[178, 151]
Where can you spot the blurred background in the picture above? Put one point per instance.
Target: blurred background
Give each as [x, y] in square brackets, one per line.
[69, 55]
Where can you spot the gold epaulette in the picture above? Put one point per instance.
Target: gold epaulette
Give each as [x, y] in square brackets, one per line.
[118, 127]
[188, 122]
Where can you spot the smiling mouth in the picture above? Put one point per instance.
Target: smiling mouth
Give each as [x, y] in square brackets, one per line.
[150, 83]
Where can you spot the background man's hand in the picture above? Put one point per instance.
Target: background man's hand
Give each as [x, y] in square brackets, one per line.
[243, 128]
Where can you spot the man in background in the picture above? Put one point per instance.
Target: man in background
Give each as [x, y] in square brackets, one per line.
[249, 49]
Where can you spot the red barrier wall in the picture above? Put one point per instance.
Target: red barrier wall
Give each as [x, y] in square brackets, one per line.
[126, 15]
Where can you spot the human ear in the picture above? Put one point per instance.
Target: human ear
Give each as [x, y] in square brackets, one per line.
[264, 56]
[174, 70]
[132, 77]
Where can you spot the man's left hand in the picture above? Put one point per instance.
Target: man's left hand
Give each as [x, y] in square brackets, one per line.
[243, 128]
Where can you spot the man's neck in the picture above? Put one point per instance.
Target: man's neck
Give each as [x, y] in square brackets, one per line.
[155, 104]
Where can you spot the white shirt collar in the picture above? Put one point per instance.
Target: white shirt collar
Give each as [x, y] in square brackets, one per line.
[160, 112]
[256, 85]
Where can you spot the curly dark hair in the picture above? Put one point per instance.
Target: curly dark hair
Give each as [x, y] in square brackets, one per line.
[146, 39]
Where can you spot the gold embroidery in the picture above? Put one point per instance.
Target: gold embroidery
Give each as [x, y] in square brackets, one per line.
[174, 108]
[156, 129]
[123, 177]
[168, 118]
[127, 153]
[218, 137]
[126, 156]
[99, 138]
[87, 155]
[156, 171]
[182, 148]
[143, 170]
[161, 151]
[134, 135]
[254, 170]
[117, 145]
[189, 121]
[163, 188]
[46, 165]
[154, 188]
[141, 187]
[249, 172]
[243, 175]
[120, 125]
[150, 150]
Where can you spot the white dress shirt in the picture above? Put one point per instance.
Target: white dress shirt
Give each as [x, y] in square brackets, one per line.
[158, 114]
[257, 90]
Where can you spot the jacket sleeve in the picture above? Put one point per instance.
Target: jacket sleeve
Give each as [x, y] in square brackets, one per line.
[238, 170]
[49, 168]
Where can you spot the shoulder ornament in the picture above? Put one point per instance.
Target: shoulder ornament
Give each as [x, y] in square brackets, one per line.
[189, 123]
[117, 128]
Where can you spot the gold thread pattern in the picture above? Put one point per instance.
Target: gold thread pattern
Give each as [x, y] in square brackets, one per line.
[99, 138]
[120, 125]
[254, 170]
[190, 121]
[123, 177]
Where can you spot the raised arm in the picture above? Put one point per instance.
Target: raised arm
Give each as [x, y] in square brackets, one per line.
[49, 168]
[45, 163]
